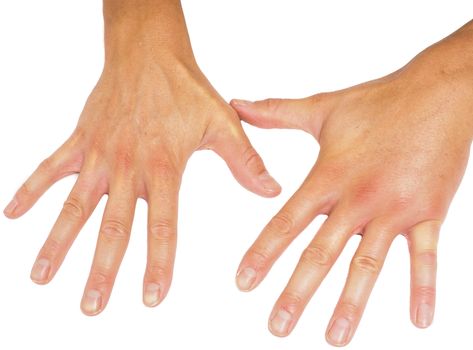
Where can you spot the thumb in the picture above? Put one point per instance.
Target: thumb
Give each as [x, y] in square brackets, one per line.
[305, 113]
[245, 163]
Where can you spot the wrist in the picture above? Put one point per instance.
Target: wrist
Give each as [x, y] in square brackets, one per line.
[146, 31]
[447, 67]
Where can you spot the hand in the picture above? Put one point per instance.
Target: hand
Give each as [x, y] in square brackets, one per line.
[392, 154]
[151, 109]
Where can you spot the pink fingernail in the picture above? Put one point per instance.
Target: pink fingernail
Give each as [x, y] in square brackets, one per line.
[151, 295]
[268, 182]
[11, 207]
[246, 278]
[40, 270]
[241, 102]
[92, 302]
[280, 322]
[338, 333]
[424, 315]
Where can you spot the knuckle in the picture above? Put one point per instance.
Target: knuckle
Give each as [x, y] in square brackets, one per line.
[47, 165]
[365, 192]
[402, 202]
[281, 224]
[73, 208]
[316, 256]
[115, 230]
[291, 300]
[162, 231]
[164, 169]
[25, 190]
[253, 160]
[272, 104]
[51, 248]
[349, 309]
[157, 271]
[124, 158]
[424, 292]
[367, 264]
[258, 257]
[427, 258]
[100, 277]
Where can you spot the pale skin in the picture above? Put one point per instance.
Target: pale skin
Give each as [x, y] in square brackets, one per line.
[392, 154]
[150, 110]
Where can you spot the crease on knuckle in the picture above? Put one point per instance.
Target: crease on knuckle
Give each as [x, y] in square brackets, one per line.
[258, 257]
[424, 292]
[100, 277]
[164, 168]
[162, 231]
[157, 271]
[291, 301]
[114, 230]
[253, 160]
[427, 258]
[52, 247]
[316, 256]
[367, 264]
[25, 190]
[281, 224]
[73, 208]
[272, 105]
[349, 309]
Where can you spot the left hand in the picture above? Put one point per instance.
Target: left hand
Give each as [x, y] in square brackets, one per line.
[392, 154]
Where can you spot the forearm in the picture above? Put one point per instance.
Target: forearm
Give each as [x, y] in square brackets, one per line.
[146, 29]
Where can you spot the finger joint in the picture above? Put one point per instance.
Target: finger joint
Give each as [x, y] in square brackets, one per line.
[316, 256]
[367, 263]
[115, 230]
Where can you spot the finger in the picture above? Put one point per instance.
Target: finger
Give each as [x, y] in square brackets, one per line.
[315, 263]
[310, 200]
[423, 239]
[65, 161]
[364, 270]
[245, 163]
[111, 245]
[162, 237]
[77, 209]
[306, 113]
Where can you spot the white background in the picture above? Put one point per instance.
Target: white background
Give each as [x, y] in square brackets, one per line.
[50, 58]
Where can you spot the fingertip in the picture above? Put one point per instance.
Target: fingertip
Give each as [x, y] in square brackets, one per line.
[423, 316]
[236, 103]
[246, 279]
[152, 294]
[40, 272]
[10, 210]
[280, 323]
[339, 332]
[91, 304]
[270, 187]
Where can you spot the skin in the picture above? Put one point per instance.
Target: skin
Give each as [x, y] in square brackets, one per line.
[150, 110]
[392, 154]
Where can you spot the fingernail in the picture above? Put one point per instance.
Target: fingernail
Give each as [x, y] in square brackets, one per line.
[11, 207]
[246, 278]
[40, 270]
[338, 333]
[151, 295]
[268, 182]
[424, 315]
[241, 102]
[280, 322]
[92, 302]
